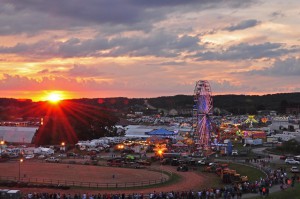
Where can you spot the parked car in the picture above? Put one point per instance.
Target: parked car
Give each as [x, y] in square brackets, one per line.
[13, 155]
[4, 157]
[165, 161]
[294, 170]
[62, 155]
[175, 162]
[96, 150]
[297, 157]
[182, 168]
[135, 165]
[127, 151]
[29, 156]
[213, 164]
[144, 162]
[193, 162]
[244, 152]
[234, 152]
[72, 154]
[291, 161]
[282, 157]
[115, 162]
[52, 159]
[202, 162]
[41, 156]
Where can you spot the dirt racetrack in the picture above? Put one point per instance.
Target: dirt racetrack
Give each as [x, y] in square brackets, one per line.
[190, 180]
[77, 172]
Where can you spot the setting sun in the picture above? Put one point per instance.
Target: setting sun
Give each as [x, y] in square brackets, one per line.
[54, 97]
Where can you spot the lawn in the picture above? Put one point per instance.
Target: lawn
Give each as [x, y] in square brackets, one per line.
[252, 173]
[213, 180]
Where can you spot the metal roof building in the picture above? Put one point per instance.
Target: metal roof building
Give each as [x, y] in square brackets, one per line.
[16, 134]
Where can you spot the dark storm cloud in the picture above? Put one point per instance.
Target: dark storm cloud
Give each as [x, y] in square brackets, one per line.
[204, 3]
[41, 48]
[243, 25]
[288, 67]
[100, 11]
[84, 71]
[277, 14]
[31, 16]
[15, 21]
[160, 44]
[76, 47]
[169, 63]
[173, 63]
[70, 48]
[247, 51]
[186, 42]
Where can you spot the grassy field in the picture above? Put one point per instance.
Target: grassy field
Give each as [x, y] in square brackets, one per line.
[213, 180]
[252, 173]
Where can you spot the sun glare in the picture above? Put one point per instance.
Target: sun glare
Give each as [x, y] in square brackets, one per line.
[54, 98]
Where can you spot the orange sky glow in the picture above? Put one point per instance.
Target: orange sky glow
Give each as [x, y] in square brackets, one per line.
[147, 48]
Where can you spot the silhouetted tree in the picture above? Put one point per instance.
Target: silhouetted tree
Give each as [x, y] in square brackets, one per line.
[283, 105]
[70, 122]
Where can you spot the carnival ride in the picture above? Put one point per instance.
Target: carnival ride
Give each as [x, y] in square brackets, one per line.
[264, 120]
[250, 120]
[201, 114]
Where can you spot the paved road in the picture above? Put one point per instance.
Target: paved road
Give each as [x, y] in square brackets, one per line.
[273, 189]
[275, 158]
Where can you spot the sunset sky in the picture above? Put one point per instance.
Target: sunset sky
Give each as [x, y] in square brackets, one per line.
[148, 48]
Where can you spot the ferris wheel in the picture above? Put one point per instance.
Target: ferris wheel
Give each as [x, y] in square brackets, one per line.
[202, 112]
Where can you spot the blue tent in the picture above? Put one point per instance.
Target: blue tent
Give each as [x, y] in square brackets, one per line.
[161, 132]
[229, 148]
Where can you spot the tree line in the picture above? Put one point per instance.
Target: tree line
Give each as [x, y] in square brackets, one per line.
[84, 119]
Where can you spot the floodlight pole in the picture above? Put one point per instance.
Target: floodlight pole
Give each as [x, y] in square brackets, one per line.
[63, 146]
[161, 171]
[20, 162]
[2, 143]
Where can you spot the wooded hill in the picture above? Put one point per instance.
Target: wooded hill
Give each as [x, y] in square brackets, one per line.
[236, 104]
[82, 119]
